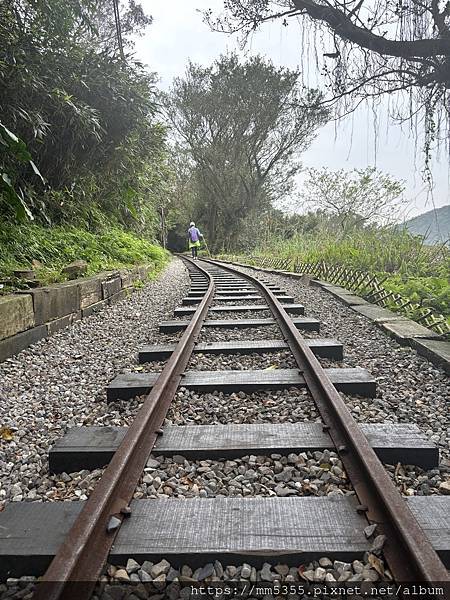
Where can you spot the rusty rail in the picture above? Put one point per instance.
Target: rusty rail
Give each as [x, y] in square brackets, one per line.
[408, 551]
[75, 569]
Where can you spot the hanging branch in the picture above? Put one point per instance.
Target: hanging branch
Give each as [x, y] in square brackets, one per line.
[118, 28]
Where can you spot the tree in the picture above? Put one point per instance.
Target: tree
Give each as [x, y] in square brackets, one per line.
[368, 48]
[354, 198]
[244, 125]
[86, 117]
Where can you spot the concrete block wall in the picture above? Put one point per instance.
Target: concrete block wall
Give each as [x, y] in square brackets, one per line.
[30, 315]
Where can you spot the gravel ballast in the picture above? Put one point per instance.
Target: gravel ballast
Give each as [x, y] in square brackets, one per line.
[60, 382]
[285, 406]
[162, 580]
[305, 474]
[410, 389]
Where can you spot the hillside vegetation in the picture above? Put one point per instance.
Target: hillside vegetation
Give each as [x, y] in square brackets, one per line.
[418, 272]
[433, 225]
[84, 162]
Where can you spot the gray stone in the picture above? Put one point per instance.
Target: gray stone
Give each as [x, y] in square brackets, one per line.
[111, 286]
[378, 543]
[75, 269]
[370, 530]
[218, 568]
[246, 571]
[121, 575]
[186, 571]
[16, 314]
[132, 566]
[325, 562]
[172, 574]
[147, 567]
[90, 291]
[319, 574]
[282, 570]
[205, 571]
[159, 582]
[265, 573]
[341, 566]
[55, 301]
[161, 568]
[144, 576]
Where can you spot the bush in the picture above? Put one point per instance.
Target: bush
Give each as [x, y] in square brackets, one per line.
[55, 247]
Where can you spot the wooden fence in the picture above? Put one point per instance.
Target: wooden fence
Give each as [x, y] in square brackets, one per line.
[368, 286]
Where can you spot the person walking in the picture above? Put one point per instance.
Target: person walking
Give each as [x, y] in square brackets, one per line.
[194, 236]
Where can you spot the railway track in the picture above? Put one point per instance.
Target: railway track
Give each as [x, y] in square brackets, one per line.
[111, 524]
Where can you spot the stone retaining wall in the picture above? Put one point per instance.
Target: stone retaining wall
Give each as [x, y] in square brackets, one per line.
[28, 316]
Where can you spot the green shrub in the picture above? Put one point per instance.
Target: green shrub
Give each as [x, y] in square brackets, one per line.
[56, 247]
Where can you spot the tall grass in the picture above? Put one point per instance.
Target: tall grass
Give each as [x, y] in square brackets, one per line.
[416, 271]
[382, 250]
[56, 247]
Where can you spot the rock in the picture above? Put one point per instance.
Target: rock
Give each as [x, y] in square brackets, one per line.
[308, 575]
[325, 562]
[246, 571]
[206, 571]
[282, 570]
[172, 591]
[161, 568]
[116, 592]
[159, 582]
[378, 543]
[444, 487]
[358, 566]
[231, 571]
[172, 574]
[144, 576]
[265, 573]
[121, 575]
[283, 491]
[132, 566]
[25, 274]
[340, 566]
[140, 590]
[319, 574]
[75, 269]
[186, 571]
[218, 568]
[178, 459]
[147, 567]
[370, 530]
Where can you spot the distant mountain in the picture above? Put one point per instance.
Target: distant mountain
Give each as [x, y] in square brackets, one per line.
[434, 225]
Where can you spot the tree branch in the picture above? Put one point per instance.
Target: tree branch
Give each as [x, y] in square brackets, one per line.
[346, 29]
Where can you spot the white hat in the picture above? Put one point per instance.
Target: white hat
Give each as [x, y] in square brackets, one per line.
[192, 224]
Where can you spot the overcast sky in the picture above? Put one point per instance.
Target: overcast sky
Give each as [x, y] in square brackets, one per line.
[178, 34]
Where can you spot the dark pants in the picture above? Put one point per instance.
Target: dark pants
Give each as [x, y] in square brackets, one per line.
[194, 251]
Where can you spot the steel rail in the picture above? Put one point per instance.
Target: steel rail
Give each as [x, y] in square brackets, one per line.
[408, 551]
[76, 567]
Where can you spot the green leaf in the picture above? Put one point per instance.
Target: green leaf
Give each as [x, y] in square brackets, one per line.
[16, 200]
[36, 170]
[15, 144]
